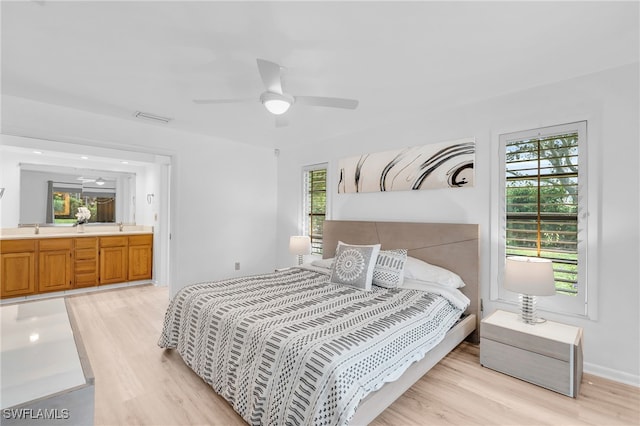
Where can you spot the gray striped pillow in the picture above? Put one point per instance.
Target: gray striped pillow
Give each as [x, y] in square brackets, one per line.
[389, 269]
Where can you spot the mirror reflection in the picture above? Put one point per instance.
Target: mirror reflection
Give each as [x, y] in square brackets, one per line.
[53, 198]
[98, 195]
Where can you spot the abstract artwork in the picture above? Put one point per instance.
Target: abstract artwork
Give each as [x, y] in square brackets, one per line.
[441, 165]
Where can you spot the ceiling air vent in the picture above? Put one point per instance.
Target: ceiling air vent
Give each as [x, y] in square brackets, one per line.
[151, 117]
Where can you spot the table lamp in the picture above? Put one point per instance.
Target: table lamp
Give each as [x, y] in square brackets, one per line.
[531, 277]
[300, 245]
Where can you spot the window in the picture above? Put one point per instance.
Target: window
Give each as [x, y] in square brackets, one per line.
[543, 207]
[315, 204]
[67, 197]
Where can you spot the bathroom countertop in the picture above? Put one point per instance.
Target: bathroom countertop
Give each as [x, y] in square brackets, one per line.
[72, 232]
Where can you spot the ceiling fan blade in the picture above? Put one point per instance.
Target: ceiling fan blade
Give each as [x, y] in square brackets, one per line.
[222, 101]
[327, 102]
[270, 74]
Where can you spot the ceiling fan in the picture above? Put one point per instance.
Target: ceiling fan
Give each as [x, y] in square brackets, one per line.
[276, 101]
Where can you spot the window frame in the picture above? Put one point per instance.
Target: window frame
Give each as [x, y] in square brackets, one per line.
[582, 304]
[306, 220]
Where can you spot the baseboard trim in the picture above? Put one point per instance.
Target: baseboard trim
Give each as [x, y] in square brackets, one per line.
[611, 374]
[73, 292]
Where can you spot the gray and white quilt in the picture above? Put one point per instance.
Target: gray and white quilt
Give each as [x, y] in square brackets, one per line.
[292, 348]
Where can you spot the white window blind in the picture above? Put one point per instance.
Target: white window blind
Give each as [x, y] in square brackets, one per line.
[315, 204]
[544, 204]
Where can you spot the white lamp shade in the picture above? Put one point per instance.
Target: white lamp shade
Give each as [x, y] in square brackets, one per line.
[300, 244]
[529, 275]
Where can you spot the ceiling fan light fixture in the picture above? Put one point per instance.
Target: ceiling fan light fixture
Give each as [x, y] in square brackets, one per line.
[276, 103]
[276, 106]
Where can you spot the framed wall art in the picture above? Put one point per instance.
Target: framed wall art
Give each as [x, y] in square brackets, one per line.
[440, 165]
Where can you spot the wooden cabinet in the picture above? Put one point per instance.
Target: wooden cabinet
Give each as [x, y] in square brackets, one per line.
[17, 267]
[86, 258]
[114, 257]
[548, 354]
[125, 258]
[140, 257]
[54, 264]
[37, 265]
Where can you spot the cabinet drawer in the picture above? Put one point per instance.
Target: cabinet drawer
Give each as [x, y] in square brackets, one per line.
[86, 242]
[86, 279]
[529, 342]
[56, 244]
[17, 246]
[548, 372]
[141, 240]
[82, 266]
[113, 241]
[86, 254]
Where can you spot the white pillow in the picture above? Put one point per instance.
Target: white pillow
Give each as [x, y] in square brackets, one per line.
[323, 263]
[417, 269]
[353, 265]
[453, 295]
[389, 269]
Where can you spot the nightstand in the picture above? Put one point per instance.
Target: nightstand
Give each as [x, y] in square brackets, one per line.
[547, 354]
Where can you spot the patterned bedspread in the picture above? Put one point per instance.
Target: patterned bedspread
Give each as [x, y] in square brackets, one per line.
[292, 348]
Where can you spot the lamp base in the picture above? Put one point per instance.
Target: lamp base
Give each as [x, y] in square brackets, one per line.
[300, 259]
[528, 311]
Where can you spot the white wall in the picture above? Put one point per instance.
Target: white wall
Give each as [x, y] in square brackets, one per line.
[223, 194]
[608, 100]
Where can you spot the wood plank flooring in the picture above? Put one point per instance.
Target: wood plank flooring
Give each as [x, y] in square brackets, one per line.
[137, 383]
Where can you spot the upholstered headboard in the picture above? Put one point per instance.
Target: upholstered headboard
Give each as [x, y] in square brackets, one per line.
[449, 245]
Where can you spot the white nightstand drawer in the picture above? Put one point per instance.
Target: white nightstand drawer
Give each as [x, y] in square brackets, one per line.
[527, 341]
[548, 372]
[547, 354]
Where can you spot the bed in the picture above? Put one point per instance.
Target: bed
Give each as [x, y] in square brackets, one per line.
[291, 347]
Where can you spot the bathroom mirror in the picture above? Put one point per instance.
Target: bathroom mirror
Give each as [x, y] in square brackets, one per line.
[51, 195]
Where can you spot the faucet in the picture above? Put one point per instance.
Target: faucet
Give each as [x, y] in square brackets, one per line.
[37, 228]
[121, 226]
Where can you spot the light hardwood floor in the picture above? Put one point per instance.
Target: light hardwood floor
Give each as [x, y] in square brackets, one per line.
[137, 383]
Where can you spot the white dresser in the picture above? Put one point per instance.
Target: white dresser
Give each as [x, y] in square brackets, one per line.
[548, 354]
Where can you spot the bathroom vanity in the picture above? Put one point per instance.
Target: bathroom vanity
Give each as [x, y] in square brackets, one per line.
[62, 259]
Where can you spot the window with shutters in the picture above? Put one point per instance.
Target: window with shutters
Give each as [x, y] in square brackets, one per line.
[544, 206]
[315, 204]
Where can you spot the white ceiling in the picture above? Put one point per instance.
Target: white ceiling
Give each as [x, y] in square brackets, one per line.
[397, 59]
